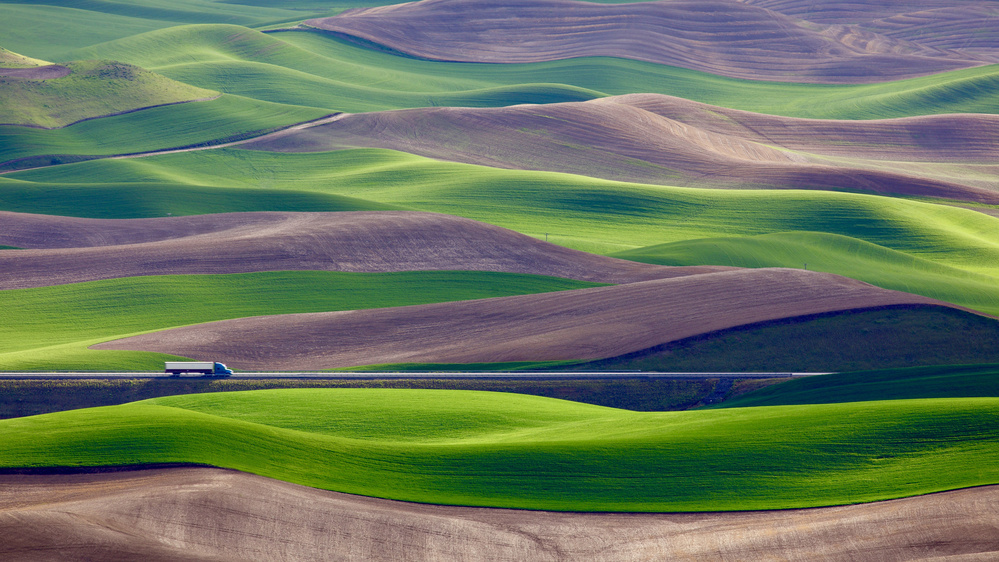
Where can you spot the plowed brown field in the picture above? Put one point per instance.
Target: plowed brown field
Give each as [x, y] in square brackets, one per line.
[719, 36]
[966, 25]
[652, 138]
[70, 250]
[220, 515]
[569, 325]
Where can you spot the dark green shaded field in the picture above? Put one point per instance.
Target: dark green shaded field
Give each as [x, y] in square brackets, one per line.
[893, 337]
[945, 381]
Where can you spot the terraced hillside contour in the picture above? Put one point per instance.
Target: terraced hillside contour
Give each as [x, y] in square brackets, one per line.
[666, 140]
[574, 325]
[75, 516]
[61, 250]
[719, 36]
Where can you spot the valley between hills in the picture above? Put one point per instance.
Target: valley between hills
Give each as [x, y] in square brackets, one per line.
[446, 185]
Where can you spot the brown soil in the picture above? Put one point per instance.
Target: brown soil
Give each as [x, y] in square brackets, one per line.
[220, 515]
[571, 325]
[659, 139]
[967, 26]
[70, 250]
[47, 72]
[719, 36]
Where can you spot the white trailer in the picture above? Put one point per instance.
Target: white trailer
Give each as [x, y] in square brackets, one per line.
[211, 368]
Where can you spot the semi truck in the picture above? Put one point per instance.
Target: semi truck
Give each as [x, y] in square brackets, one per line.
[208, 368]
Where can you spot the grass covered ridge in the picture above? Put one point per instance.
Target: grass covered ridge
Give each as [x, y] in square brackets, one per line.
[493, 449]
[92, 89]
[49, 328]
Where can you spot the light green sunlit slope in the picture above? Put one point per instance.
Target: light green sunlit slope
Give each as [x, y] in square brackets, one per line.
[49, 328]
[495, 449]
[940, 251]
[306, 68]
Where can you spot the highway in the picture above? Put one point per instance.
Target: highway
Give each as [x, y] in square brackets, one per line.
[357, 375]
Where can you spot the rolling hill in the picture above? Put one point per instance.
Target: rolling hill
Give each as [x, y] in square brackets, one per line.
[61, 513]
[665, 140]
[310, 69]
[75, 250]
[496, 449]
[87, 90]
[722, 37]
[575, 325]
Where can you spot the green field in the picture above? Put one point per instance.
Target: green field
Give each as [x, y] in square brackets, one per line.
[934, 250]
[49, 328]
[94, 89]
[311, 69]
[948, 381]
[226, 118]
[494, 449]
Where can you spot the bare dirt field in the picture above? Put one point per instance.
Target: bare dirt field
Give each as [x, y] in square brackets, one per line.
[47, 72]
[659, 139]
[60, 250]
[964, 25]
[219, 515]
[724, 37]
[569, 325]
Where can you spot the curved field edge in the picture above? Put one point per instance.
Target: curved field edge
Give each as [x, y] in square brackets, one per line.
[49, 328]
[342, 76]
[488, 449]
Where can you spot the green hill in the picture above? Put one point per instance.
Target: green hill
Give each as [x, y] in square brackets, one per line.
[343, 76]
[49, 328]
[226, 118]
[502, 450]
[92, 89]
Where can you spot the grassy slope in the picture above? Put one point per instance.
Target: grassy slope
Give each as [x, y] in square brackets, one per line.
[50, 327]
[895, 384]
[95, 88]
[152, 129]
[939, 251]
[333, 74]
[821, 251]
[852, 341]
[516, 451]
[10, 59]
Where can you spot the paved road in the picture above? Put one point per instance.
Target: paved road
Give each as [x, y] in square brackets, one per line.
[523, 375]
